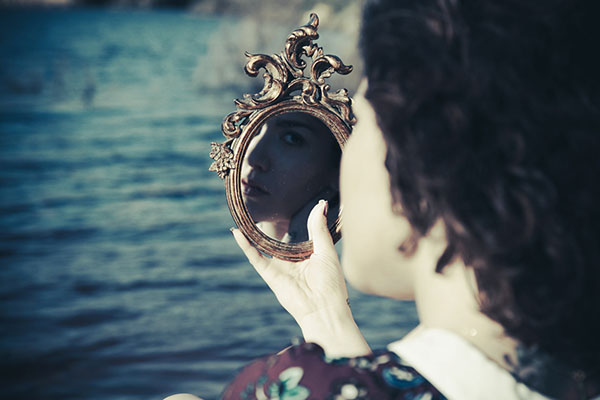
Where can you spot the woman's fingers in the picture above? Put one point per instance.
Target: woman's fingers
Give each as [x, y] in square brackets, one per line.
[253, 255]
[318, 231]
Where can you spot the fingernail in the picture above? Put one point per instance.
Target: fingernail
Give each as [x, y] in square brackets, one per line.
[325, 208]
[231, 229]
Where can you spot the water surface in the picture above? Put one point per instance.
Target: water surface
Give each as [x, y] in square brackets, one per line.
[119, 277]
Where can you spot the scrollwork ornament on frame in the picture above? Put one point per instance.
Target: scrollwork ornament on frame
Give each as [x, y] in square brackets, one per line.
[284, 78]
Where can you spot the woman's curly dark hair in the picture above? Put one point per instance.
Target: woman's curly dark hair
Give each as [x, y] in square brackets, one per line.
[491, 113]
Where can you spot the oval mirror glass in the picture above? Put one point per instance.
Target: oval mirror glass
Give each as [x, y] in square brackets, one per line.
[291, 163]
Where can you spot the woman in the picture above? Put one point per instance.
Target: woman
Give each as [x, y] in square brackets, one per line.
[469, 185]
[291, 164]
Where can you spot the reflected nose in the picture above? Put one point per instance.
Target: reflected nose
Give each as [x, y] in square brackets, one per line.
[258, 153]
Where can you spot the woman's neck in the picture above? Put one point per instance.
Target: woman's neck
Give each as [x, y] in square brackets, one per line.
[449, 300]
[274, 229]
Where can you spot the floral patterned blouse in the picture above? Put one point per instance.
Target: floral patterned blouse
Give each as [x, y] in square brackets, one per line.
[304, 372]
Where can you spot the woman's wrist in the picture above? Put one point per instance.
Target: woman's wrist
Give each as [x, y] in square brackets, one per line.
[334, 329]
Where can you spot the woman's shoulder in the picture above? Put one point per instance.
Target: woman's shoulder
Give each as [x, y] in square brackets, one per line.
[303, 371]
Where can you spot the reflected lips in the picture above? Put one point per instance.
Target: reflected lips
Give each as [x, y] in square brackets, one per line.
[252, 189]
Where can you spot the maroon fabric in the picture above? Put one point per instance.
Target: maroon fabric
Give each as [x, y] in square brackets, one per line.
[303, 372]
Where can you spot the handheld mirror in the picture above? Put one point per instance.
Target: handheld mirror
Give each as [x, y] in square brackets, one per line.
[283, 147]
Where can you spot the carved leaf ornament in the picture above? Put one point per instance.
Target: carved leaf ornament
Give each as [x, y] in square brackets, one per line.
[284, 79]
[224, 159]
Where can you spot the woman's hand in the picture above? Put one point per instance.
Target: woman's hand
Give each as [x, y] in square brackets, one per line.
[313, 291]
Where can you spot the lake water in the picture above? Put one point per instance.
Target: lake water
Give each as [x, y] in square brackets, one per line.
[119, 278]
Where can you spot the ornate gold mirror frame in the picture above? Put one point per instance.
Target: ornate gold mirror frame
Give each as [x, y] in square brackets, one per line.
[286, 89]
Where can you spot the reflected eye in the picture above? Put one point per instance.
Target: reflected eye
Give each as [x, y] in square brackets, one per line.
[292, 138]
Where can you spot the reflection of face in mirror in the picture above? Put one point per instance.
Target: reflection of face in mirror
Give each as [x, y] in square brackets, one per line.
[290, 165]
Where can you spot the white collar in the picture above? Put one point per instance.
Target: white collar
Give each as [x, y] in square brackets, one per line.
[458, 369]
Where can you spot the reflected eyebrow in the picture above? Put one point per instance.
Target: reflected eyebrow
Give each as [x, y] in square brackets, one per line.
[293, 123]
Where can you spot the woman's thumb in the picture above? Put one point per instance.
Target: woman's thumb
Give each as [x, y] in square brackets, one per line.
[318, 231]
